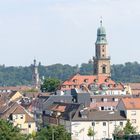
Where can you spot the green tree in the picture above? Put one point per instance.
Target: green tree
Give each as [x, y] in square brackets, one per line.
[86, 69]
[91, 132]
[118, 132]
[129, 129]
[9, 132]
[50, 85]
[52, 133]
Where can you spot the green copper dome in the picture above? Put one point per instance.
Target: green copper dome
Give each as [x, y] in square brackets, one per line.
[101, 35]
[101, 31]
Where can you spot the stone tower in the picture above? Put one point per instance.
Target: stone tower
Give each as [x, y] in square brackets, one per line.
[101, 59]
[35, 76]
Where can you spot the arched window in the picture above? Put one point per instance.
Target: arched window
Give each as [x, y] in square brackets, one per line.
[104, 69]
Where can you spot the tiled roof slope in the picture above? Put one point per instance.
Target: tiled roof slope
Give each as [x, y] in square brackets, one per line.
[131, 103]
[90, 79]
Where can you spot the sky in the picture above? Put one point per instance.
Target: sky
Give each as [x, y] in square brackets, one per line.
[64, 31]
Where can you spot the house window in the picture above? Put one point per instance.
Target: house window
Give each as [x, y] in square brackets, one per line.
[104, 99]
[105, 108]
[109, 108]
[104, 123]
[115, 99]
[74, 80]
[104, 69]
[16, 116]
[121, 123]
[133, 112]
[93, 123]
[29, 125]
[64, 86]
[21, 117]
[104, 133]
[93, 100]
[85, 80]
[84, 116]
[133, 120]
[102, 108]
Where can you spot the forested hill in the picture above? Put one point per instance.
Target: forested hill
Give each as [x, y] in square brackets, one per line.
[11, 76]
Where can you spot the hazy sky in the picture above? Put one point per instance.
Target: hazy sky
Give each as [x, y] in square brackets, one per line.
[64, 31]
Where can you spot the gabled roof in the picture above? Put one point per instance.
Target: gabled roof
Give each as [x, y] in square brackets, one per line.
[29, 119]
[19, 110]
[66, 109]
[15, 108]
[131, 103]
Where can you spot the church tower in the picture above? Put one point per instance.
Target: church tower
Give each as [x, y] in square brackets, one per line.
[35, 76]
[101, 59]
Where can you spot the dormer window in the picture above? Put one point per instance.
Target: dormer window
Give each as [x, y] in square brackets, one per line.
[74, 80]
[104, 99]
[115, 85]
[95, 80]
[85, 80]
[106, 80]
[64, 86]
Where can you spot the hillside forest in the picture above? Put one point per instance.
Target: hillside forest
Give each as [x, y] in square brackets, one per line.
[22, 75]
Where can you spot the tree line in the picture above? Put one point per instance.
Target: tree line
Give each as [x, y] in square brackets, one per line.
[12, 75]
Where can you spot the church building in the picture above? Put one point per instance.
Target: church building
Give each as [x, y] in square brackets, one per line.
[101, 79]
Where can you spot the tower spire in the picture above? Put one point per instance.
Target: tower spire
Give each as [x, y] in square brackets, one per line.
[35, 75]
[101, 59]
[101, 21]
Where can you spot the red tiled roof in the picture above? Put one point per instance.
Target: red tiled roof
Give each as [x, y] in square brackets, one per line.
[131, 103]
[59, 108]
[90, 79]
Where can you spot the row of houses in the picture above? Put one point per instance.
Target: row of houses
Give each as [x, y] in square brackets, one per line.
[77, 119]
[77, 109]
[12, 109]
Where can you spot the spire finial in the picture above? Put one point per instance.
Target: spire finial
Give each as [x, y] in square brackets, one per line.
[101, 20]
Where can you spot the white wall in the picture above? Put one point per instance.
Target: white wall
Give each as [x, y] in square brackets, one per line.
[80, 129]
